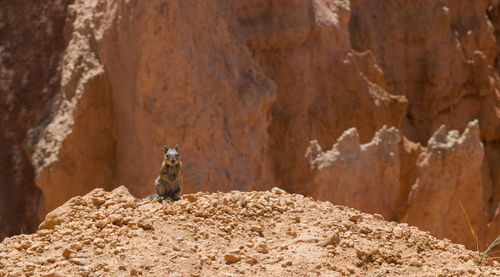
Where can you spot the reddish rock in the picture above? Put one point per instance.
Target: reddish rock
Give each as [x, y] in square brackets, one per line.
[31, 45]
[449, 172]
[365, 177]
[333, 88]
[491, 175]
[168, 83]
[139, 102]
[242, 87]
[422, 186]
[440, 55]
[408, 153]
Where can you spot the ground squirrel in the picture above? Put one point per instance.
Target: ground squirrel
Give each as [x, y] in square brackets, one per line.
[169, 182]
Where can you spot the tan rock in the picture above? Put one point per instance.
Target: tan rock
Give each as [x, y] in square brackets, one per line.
[332, 240]
[251, 260]
[365, 177]
[190, 197]
[67, 253]
[77, 261]
[449, 171]
[232, 258]
[220, 102]
[262, 248]
[431, 58]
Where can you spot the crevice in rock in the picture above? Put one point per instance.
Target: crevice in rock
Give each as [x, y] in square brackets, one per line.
[492, 173]
[31, 47]
[409, 153]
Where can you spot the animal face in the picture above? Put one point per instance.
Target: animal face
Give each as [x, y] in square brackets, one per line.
[171, 155]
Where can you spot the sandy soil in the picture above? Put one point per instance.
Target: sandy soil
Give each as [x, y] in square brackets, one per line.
[265, 233]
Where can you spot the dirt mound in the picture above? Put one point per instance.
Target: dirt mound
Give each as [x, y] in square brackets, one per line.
[237, 233]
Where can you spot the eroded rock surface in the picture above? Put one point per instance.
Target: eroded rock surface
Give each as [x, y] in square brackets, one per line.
[31, 46]
[237, 233]
[171, 81]
[332, 89]
[118, 107]
[445, 173]
[449, 172]
[365, 177]
[242, 86]
[440, 55]
[443, 56]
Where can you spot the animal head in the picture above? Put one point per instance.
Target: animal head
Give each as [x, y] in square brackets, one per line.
[171, 155]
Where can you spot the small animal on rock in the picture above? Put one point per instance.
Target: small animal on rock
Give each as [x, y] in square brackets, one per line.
[168, 184]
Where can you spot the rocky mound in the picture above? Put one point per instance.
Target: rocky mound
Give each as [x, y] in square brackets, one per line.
[237, 233]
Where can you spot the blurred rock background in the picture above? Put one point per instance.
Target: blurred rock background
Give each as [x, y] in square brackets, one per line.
[252, 91]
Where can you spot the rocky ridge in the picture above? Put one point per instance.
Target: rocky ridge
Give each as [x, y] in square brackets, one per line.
[440, 182]
[227, 234]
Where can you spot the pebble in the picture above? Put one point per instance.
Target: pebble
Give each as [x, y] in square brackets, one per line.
[415, 262]
[333, 239]
[67, 253]
[232, 258]
[77, 261]
[262, 248]
[257, 229]
[398, 232]
[190, 197]
[251, 260]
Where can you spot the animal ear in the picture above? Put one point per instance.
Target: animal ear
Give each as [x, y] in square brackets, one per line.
[165, 148]
[177, 147]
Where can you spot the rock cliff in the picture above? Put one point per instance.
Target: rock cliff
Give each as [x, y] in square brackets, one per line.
[31, 47]
[345, 175]
[93, 89]
[447, 175]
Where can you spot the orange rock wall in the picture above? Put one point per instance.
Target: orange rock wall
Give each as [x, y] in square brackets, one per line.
[244, 86]
[136, 77]
[31, 46]
[444, 182]
[369, 177]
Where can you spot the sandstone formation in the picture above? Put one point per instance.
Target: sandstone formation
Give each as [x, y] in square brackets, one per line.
[345, 174]
[238, 233]
[443, 56]
[333, 87]
[31, 47]
[166, 95]
[440, 55]
[447, 172]
[169, 82]
[94, 90]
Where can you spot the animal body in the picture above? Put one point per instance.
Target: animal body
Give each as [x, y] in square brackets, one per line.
[168, 184]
